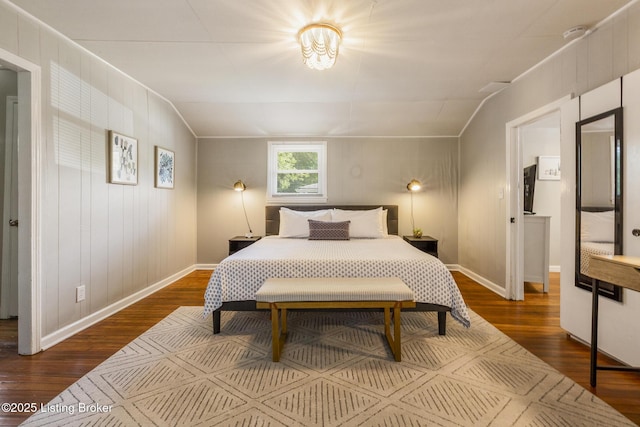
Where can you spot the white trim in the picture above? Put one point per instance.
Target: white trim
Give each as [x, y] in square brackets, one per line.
[206, 266]
[29, 173]
[323, 136]
[484, 282]
[514, 244]
[72, 329]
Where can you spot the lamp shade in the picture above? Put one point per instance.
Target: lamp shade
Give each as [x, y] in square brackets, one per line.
[239, 186]
[414, 185]
[319, 43]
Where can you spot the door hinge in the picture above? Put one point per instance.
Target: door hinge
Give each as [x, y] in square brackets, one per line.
[512, 220]
[13, 222]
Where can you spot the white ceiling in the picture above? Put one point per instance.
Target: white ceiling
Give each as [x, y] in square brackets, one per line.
[405, 68]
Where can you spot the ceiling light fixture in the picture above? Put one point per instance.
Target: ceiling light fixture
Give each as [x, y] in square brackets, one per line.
[319, 44]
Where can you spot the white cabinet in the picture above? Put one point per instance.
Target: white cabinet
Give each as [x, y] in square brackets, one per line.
[536, 249]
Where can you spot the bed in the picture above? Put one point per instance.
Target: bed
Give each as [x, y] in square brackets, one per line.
[286, 252]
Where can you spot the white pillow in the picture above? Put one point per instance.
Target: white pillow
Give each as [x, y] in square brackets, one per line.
[366, 224]
[385, 225]
[296, 223]
[597, 226]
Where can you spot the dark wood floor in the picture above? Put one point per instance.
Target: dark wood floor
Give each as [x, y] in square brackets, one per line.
[534, 323]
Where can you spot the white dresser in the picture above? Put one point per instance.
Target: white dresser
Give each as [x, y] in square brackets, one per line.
[536, 249]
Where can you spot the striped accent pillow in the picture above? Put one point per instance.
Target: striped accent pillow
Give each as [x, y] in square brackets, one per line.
[325, 230]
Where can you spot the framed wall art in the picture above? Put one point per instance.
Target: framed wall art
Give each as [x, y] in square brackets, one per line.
[165, 167]
[549, 168]
[123, 159]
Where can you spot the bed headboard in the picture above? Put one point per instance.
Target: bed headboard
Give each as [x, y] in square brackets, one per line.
[272, 214]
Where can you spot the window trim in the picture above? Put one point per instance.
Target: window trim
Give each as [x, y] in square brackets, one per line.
[272, 171]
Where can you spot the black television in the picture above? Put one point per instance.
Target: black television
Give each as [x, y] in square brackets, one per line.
[529, 186]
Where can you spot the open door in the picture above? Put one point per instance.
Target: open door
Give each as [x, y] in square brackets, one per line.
[9, 276]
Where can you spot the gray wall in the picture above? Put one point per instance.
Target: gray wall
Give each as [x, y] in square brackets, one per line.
[609, 52]
[360, 171]
[545, 141]
[114, 239]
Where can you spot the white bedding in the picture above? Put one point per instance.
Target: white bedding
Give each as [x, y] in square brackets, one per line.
[239, 276]
[592, 248]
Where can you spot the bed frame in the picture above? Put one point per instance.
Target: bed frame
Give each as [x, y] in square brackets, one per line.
[272, 227]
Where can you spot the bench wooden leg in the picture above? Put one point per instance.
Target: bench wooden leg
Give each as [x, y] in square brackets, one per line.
[396, 331]
[275, 333]
[278, 330]
[393, 340]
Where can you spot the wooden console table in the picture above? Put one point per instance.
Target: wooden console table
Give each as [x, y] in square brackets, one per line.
[619, 270]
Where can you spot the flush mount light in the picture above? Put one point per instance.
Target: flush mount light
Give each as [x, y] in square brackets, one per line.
[319, 43]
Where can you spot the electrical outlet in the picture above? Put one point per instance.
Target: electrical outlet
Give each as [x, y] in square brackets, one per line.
[80, 293]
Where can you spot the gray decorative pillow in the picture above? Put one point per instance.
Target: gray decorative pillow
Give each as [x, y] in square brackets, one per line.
[325, 230]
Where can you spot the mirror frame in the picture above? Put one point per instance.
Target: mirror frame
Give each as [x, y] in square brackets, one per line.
[585, 282]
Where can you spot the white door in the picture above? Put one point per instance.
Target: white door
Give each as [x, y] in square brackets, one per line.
[631, 165]
[9, 277]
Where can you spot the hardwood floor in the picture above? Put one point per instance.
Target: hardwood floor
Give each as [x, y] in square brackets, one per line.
[533, 323]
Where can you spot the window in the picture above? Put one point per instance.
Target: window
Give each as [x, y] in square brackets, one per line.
[297, 172]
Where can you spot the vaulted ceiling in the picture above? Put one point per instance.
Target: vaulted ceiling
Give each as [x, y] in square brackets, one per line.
[233, 68]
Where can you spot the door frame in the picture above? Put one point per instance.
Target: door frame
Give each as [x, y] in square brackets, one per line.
[29, 190]
[514, 262]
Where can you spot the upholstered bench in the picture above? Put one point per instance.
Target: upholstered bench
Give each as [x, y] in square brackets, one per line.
[386, 293]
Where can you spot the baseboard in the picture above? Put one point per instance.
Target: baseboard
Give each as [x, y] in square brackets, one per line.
[554, 269]
[62, 334]
[205, 266]
[484, 282]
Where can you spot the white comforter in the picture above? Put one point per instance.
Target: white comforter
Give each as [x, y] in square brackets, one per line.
[239, 276]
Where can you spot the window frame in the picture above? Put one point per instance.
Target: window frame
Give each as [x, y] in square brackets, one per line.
[276, 147]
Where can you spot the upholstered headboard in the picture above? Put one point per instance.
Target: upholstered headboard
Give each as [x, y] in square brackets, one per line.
[272, 214]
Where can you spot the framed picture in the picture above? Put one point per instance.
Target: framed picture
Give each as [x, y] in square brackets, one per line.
[549, 168]
[165, 167]
[123, 159]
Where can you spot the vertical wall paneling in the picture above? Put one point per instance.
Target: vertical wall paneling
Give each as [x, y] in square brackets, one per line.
[85, 183]
[100, 235]
[97, 292]
[586, 64]
[68, 154]
[50, 233]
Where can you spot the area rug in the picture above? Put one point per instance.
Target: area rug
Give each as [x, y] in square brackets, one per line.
[336, 370]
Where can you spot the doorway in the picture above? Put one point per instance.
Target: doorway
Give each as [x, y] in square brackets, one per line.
[9, 191]
[27, 177]
[525, 142]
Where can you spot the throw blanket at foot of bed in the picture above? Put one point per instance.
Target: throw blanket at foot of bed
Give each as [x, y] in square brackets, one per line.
[386, 293]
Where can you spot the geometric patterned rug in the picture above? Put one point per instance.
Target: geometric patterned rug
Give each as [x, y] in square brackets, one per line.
[336, 369]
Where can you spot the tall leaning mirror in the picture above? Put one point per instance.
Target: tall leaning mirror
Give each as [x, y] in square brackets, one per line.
[598, 194]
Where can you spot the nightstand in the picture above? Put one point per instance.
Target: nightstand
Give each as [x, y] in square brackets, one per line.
[241, 242]
[425, 243]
